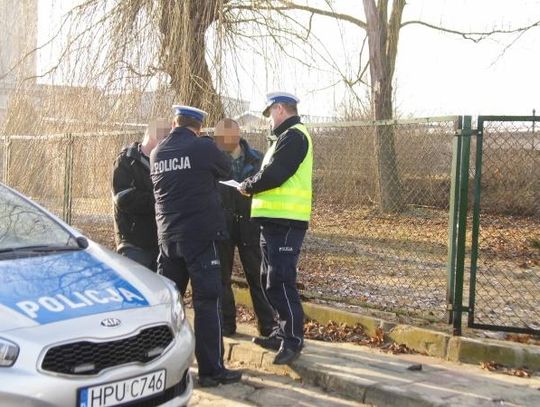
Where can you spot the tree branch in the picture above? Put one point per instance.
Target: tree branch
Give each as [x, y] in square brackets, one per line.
[327, 13]
[393, 35]
[472, 36]
[290, 5]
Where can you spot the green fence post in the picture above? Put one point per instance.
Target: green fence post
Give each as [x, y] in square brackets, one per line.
[68, 180]
[7, 159]
[71, 176]
[476, 217]
[453, 216]
[457, 302]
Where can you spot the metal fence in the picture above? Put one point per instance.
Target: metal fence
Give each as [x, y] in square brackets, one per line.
[70, 174]
[504, 290]
[383, 195]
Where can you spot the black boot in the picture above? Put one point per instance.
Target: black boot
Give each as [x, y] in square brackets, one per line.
[286, 356]
[266, 330]
[268, 342]
[225, 376]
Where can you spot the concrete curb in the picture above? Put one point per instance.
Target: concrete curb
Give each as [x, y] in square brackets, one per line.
[252, 356]
[372, 377]
[432, 343]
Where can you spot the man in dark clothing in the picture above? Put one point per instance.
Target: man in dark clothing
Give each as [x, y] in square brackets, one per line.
[282, 205]
[134, 213]
[243, 232]
[185, 168]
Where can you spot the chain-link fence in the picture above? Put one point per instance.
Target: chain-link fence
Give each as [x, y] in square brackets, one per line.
[380, 228]
[36, 167]
[69, 174]
[505, 266]
[92, 181]
[379, 234]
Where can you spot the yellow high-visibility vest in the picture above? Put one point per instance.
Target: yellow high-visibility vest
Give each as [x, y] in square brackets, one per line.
[292, 199]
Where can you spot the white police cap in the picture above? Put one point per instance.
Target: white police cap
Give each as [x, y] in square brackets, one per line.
[190, 111]
[278, 97]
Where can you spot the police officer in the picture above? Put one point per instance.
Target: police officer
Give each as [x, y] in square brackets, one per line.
[133, 198]
[184, 170]
[244, 234]
[282, 205]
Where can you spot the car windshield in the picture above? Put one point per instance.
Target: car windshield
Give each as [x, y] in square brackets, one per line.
[25, 227]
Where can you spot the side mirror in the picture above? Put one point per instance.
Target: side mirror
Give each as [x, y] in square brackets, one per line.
[82, 242]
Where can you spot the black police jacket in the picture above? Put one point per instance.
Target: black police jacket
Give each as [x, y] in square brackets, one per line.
[241, 228]
[133, 198]
[184, 170]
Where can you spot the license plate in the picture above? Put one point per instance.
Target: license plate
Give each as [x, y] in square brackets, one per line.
[123, 391]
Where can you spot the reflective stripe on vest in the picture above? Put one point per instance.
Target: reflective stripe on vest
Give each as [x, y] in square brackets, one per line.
[291, 200]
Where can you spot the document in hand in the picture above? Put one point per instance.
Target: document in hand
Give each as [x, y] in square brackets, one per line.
[231, 183]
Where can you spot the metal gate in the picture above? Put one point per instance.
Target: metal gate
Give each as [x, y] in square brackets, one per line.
[504, 290]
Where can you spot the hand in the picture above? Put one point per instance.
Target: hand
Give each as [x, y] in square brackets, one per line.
[241, 189]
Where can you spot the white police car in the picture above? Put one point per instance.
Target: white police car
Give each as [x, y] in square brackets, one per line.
[83, 326]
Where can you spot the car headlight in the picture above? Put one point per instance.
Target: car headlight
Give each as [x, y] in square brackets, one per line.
[8, 353]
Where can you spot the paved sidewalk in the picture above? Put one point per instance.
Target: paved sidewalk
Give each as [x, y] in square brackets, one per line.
[263, 389]
[373, 377]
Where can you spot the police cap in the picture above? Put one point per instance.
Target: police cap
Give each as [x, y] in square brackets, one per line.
[278, 97]
[197, 114]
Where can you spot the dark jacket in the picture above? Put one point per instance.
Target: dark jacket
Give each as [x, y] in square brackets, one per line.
[185, 170]
[134, 215]
[291, 149]
[237, 206]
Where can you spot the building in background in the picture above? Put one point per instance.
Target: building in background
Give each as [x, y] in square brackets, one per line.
[18, 36]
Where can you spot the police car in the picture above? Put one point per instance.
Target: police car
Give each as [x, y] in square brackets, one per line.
[83, 326]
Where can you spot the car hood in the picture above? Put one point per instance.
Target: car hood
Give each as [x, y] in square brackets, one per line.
[45, 289]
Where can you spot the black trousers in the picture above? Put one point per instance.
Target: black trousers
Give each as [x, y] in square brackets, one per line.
[280, 248]
[250, 257]
[198, 261]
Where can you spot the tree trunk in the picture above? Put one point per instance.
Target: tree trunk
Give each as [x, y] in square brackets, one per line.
[382, 54]
[388, 182]
[183, 27]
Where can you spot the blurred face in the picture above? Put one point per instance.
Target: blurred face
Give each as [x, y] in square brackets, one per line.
[163, 128]
[227, 135]
[158, 129]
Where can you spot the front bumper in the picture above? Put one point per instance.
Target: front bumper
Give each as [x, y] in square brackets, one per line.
[26, 385]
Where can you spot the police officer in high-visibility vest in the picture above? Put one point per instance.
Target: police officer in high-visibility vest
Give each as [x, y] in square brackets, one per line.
[282, 205]
[185, 167]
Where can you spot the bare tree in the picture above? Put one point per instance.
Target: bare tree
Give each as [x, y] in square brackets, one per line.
[383, 36]
[139, 40]
[382, 33]
[382, 28]
[183, 25]
[123, 46]
[114, 51]
[126, 44]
